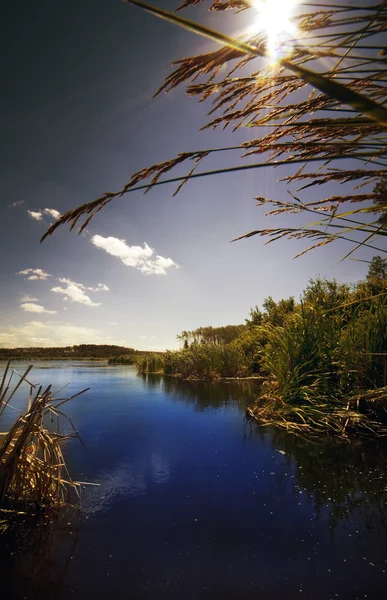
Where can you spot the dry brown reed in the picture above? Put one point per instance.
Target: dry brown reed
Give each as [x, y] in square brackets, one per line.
[360, 416]
[33, 472]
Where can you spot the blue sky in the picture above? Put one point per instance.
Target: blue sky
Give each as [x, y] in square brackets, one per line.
[77, 119]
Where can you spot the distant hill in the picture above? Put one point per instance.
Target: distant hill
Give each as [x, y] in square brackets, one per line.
[81, 352]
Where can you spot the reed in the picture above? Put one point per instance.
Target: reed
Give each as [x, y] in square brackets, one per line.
[199, 361]
[33, 472]
[321, 111]
[326, 367]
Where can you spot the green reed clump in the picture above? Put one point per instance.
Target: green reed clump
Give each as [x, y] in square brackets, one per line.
[126, 359]
[150, 363]
[199, 361]
[326, 366]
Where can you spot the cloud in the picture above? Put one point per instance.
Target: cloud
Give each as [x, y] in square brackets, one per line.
[38, 215]
[36, 308]
[101, 287]
[27, 298]
[54, 333]
[75, 292]
[7, 340]
[35, 215]
[141, 258]
[34, 274]
[71, 290]
[14, 204]
[55, 214]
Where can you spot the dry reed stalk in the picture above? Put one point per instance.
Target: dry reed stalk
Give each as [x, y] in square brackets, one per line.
[324, 104]
[343, 421]
[33, 472]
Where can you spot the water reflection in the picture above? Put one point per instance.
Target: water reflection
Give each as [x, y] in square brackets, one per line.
[28, 563]
[125, 480]
[342, 481]
[206, 395]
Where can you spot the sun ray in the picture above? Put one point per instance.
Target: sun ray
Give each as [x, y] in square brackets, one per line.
[273, 19]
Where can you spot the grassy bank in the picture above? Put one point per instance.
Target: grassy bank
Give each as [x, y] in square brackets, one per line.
[324, 358]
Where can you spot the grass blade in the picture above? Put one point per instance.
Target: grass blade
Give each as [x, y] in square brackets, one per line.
[331, 88]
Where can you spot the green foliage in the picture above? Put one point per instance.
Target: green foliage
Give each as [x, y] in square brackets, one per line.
[380, 200]
[330, 346]
[377, 269]
[299, 357]
[152, 362]
[211, 335]
[250, 344]
[315, 353]
[200, 361]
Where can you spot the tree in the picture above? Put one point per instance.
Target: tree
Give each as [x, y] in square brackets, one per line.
[262, 81]
[256, 317]
[377, 268]
[380, 200]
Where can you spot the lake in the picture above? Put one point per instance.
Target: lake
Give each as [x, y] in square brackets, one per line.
[195, 502]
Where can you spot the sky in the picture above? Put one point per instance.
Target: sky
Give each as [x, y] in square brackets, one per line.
[77, 119]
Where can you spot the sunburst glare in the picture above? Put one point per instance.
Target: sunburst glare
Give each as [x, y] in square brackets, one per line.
[273, 20]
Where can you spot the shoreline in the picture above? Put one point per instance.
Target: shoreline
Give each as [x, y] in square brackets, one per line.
[202, 379]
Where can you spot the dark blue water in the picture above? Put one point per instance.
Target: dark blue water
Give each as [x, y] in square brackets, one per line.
[194, 502]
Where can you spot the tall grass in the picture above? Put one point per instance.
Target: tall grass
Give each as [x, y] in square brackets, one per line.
[326, 370]
[199, 361]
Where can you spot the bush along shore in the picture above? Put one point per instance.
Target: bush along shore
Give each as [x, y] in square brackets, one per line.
[323, 359]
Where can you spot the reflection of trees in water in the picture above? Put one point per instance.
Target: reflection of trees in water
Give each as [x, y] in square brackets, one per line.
[343, 481]
[346, 481]
[206, 395]
[27, 557]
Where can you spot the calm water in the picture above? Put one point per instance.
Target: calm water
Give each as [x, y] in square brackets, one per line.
[196, 503]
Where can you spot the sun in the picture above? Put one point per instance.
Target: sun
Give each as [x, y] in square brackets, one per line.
[273, 19]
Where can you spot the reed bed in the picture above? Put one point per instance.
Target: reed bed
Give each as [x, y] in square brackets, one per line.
[362, 415]
[33, 472]
[199, 361]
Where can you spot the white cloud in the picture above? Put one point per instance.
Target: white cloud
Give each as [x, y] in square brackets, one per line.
[55, 214]
[27, 298]
[74, 291]
[35, 215]
[36, 333]
[36, 308]
[7, 340]
[38, 215]
[34, 274]
[14, 204]
[141, 258]
[101, 287]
